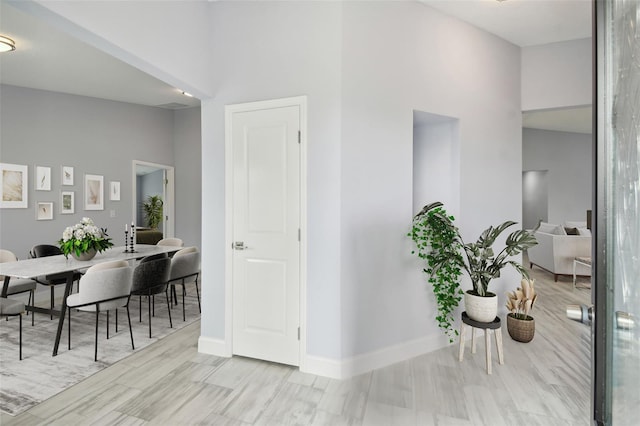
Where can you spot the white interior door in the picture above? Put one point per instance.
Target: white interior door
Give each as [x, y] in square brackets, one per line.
[266, 233]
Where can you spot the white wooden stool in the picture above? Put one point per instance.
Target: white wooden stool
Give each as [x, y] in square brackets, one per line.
[486, 326]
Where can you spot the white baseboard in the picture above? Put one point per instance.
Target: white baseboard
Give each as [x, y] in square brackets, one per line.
[384, 357]
[211, 346]
[320, 366]
[359, 364]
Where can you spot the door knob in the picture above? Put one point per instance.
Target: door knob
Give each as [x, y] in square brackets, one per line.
[586, 314]
[239, 245]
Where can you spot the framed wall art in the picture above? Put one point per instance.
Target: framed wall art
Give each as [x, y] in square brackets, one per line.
[13, 186]
[43, 178]
[44, 210]
[93, 192]
[67, 202]
[114, 191]
[67, 175]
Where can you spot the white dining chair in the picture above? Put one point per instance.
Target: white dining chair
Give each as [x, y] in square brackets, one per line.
[12, 308]
[18, 285]
[104, 287]
[171, 242]
[185, 269]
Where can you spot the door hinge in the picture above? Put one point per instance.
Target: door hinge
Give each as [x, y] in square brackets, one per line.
[298, 333]
[298, 234]
[299, 137]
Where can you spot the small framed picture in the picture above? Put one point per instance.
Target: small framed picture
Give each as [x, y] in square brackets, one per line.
[43, 178]
[67, 202]
[13, 186]
[67, 175]
[44, 210]
[114, 191]
[93, 192]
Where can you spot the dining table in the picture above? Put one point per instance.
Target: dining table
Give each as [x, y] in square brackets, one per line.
[68, 267]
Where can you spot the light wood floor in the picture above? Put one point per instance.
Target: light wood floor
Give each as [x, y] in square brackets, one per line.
[545, 382]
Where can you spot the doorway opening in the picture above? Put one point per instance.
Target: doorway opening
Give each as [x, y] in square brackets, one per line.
[154, 180]
[535, 198]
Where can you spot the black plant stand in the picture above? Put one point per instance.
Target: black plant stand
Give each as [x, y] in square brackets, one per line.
[495, 325]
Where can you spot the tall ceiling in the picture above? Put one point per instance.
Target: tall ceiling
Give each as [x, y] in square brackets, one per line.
[49, 59]
[523, 22]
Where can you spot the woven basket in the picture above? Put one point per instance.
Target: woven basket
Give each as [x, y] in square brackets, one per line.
[521, 330]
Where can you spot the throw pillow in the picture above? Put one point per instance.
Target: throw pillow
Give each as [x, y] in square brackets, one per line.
[584, 231]
[547, 228]
[571, 231]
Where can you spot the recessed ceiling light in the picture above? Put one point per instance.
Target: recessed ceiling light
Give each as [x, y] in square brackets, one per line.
[7, 44]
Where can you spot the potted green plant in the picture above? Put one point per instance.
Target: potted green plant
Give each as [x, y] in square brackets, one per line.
[520, 325]
[477, 259]
[152, 209]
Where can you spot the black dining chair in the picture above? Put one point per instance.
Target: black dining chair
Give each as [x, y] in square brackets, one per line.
[45, 250]
[151, 277]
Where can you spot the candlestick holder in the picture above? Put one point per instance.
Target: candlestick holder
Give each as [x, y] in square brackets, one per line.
[133, 247]
[126, 241]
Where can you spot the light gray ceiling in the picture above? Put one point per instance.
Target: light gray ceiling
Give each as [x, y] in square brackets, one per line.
[523, 22]
[576, 120]
[49, 59]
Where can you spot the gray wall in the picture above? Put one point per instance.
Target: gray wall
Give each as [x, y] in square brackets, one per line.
[556, 75]
[567, 157]
[365, 66]
[187, 136]
[94, 136]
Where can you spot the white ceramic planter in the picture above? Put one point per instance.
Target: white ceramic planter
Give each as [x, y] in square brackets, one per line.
[482, 309]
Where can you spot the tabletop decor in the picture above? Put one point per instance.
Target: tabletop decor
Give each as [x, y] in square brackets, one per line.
[84, 240]
[520, 324]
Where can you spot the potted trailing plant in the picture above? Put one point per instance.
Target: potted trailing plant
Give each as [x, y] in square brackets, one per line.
[520, 324]
[436, 242]
[84, 240]
[152, 209]
[477, 259]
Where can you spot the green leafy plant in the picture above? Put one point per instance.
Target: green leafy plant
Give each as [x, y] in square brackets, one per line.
[83, 237]
[437, 242]
[152, 209]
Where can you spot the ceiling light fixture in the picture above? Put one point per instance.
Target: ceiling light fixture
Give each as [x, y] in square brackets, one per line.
[187, 94]
[7, 44]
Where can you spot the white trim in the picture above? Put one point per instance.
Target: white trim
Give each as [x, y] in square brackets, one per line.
[360, 364]
[229, 110]
[325, 367]
[168, 196]
[380, 358]
[211, 346]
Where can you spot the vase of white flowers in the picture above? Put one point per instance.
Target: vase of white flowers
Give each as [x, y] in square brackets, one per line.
[84, 240]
